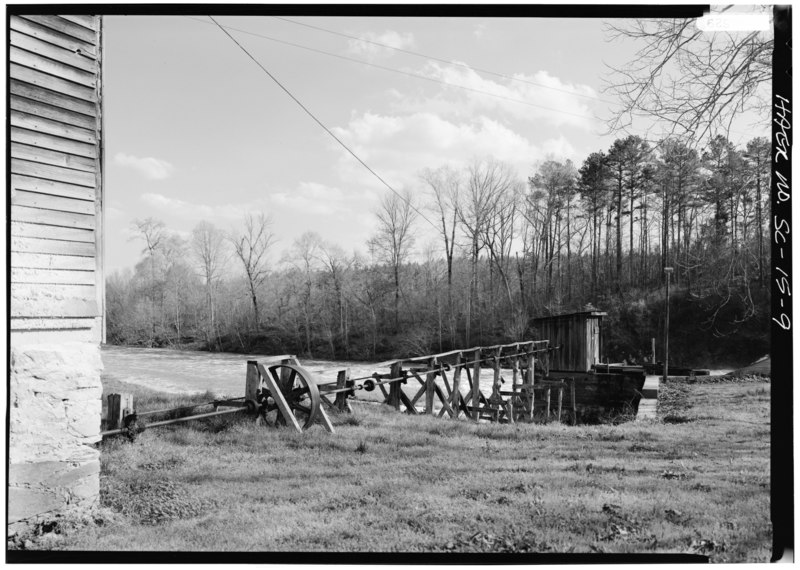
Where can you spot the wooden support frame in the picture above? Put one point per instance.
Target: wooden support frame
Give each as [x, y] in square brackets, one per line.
[430, 385]
[395, 388]
[342, 381]
[277, 395]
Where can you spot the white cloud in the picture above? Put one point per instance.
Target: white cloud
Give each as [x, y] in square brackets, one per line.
[479, 30]
[534, 98]
[398, 147]
[372, 51]
[153, 168]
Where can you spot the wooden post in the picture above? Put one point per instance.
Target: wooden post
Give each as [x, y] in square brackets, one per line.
[547, 409]
[496, 377]
[653, 350]
[572, 402]
[252, 382]
[560, 396]
[456, 393]
[430, 380]
[395, 387]
[529, 380]
[119, 406]
[342, 378]
[476, 380]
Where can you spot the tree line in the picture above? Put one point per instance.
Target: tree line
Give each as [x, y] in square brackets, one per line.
[509, 249]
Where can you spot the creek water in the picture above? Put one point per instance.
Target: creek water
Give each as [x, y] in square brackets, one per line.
[223, 373]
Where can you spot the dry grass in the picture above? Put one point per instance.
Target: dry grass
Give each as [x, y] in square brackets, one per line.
[696, 483]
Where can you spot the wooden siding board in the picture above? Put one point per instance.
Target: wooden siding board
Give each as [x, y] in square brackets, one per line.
[85, 21]
[47, 34]
[52, 247]
[45, 261]
[49, 126]
[30, 301]
[29, 230]
[52, 112]
[34, 93]
[52, 142]
[52, 218]
[47, 81]
[50, 172]
[46, 201]
[24, 324]
[52, 67]
[52, 157]
[48, 50]
[65, 27]
[51, 276]
[29, 183]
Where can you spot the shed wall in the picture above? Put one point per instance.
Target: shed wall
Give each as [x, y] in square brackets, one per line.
[57, 292]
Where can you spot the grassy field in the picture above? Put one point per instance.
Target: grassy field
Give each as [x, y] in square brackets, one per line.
[695, 481]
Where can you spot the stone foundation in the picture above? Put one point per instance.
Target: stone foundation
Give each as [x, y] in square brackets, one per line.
[54, 418]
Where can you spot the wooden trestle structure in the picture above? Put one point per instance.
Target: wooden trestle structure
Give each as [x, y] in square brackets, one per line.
[527, 364]
[279, 391]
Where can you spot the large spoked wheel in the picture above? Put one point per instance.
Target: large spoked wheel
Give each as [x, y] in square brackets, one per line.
[299, 390]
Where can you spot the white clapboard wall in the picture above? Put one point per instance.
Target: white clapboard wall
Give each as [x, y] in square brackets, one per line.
[57, 288]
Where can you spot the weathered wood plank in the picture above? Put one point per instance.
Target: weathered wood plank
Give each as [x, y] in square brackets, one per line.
[35, 301]
[29, 183]
[51, 324]
[46, 81]
[52, 276]
[52, 247]
[49, 126]
[52, 67]
[54, 113]
[46, 201]
[34, 93]
[50, 172]
[52, 157]
[63, 26]
[44, 33]
[28, 230]
[52, 218]
[85, 21]
[48, 50]
[51, 142]
[45, 261]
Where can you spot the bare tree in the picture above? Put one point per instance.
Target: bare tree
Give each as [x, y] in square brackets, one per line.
[444, 186]
[336, 264]
[208, 247]
[393, 241]
[304, 257]
[695, 81]
[251, 246]
[154, 233]
[486, 181]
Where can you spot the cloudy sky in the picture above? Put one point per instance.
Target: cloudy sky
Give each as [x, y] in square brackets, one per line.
[195, 130]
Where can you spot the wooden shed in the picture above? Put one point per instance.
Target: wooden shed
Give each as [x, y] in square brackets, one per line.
[579, 336]
[56, 281]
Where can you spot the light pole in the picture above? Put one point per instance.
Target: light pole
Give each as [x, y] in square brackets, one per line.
[668, 273]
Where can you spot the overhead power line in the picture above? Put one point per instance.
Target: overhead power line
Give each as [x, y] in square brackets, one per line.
[441, 60]
[321, 124]
[393, 70]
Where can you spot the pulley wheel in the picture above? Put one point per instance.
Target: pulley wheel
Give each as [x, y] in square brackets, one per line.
[299, 390]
